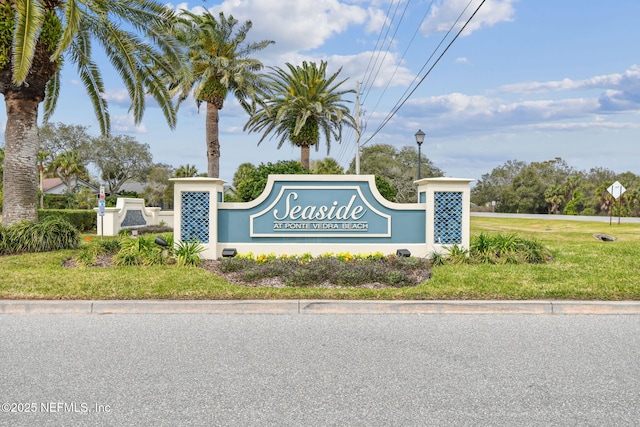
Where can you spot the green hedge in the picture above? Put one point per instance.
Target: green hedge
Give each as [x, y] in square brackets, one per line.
[83, 220]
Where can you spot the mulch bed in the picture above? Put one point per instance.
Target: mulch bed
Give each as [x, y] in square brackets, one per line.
[213, 266]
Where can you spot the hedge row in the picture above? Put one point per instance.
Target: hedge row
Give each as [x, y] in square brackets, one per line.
[83, 220]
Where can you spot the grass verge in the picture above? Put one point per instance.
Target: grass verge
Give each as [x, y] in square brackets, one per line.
[583, 268]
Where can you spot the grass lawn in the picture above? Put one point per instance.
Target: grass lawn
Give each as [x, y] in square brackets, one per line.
[583, 268]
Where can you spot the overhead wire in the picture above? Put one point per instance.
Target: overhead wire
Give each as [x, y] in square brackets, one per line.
[401, 102]
[377, 52]
[347, 137]
[404, 54]
[375, 68]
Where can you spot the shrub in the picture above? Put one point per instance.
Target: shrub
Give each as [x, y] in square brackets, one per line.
[188, 253]
[48, 235]
[89, 255]
[138, 251]
[232, 265]
[83, 220]
[506, 248]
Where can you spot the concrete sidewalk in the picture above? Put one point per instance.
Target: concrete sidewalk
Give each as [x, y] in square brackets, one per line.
[318, 307]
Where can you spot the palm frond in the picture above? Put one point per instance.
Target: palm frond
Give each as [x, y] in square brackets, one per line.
[28, 24]
[52, 93]
[80, 50]
[73, 15]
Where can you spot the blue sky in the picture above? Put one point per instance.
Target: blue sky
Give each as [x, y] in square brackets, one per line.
[526, 80]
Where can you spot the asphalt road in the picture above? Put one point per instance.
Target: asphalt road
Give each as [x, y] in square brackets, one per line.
[316, 370]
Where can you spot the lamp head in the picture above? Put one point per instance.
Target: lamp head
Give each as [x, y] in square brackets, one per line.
[419, 137]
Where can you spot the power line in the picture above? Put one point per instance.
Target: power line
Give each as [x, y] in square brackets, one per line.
[415, 33]
[373, 80]
[377, 52]
[375, 48]
[401, 103]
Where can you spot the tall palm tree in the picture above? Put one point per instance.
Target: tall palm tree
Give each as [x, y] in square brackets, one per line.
[37, 37]
[299, 103]
[219, 63]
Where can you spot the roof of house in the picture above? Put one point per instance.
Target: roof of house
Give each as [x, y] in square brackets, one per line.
[57, 186]
[49, 183]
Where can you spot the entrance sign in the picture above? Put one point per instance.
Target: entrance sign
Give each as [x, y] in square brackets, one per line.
[324, 210]
[318, 214]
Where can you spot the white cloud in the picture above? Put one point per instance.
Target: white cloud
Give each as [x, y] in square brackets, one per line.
[117, 96]
[377, 20]
[459, 113]
[354, 66]
[444, 13]
[629, 79]
[126, 124]
[615, 96]
[294, 25]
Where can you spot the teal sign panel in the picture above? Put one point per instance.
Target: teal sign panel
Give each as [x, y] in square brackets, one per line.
[321, 210]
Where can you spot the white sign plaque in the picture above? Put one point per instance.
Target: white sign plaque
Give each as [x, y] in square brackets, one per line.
[616, 190]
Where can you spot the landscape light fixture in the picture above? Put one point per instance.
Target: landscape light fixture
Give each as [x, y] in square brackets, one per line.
[404, 253]
[419, 140]
[161, 242]
[229, 252]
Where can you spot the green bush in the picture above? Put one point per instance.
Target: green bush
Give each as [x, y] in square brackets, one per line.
[90, 253]
[47, 235]
[83, 220]
[188, 253]
[138, 251]
[55, 201]
[504, 249]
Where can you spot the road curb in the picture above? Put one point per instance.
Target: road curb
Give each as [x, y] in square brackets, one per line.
[310, 307]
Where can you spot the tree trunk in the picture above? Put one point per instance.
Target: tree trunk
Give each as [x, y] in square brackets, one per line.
[20, 162]
[213, 143]
[41, 178]
[304, 155]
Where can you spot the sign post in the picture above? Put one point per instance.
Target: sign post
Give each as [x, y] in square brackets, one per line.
[101, 199]
[616, 190]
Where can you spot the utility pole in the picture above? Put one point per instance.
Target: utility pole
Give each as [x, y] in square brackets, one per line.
[357, 128]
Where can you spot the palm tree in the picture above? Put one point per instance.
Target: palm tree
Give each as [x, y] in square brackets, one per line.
[38, 37]
[219, 63]
[186, 171]
[299, 104]
[67, 166]
[554, 195]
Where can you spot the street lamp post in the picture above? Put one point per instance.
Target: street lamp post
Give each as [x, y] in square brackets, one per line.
[419, 141]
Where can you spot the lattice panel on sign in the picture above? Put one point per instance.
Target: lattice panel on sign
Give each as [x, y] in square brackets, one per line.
[447, 218]
[194, 225]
